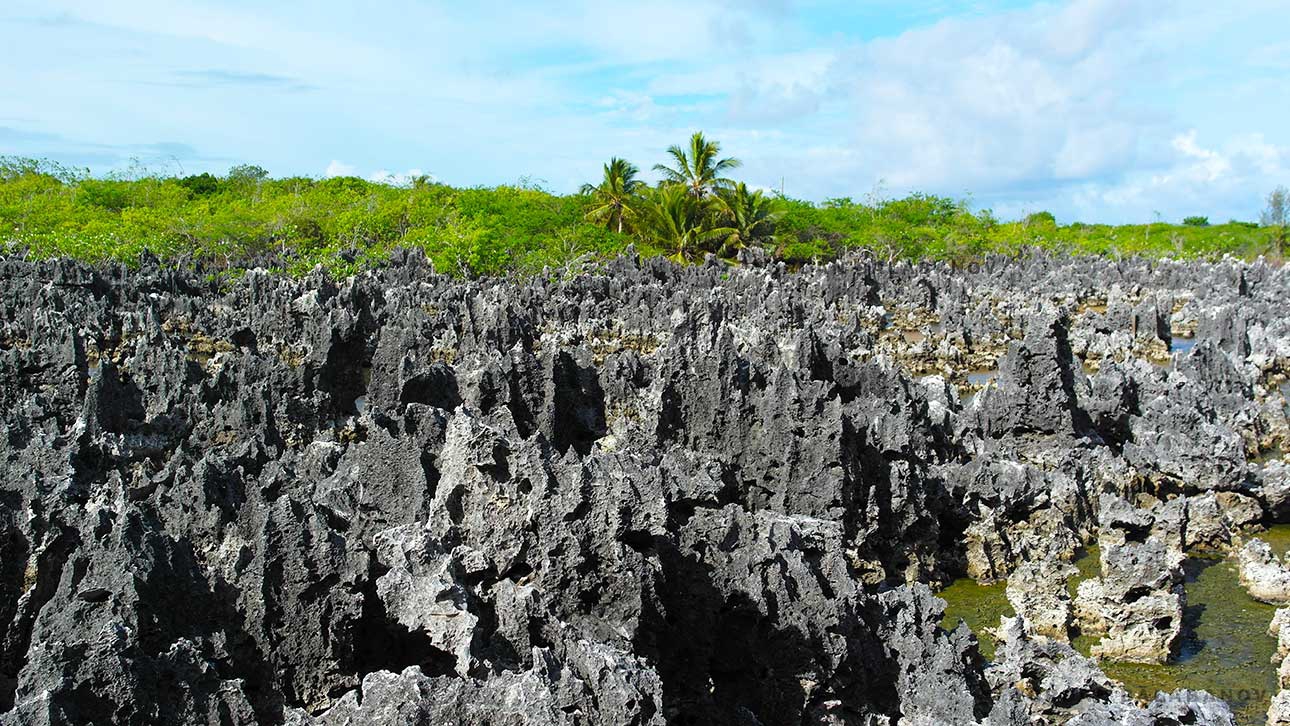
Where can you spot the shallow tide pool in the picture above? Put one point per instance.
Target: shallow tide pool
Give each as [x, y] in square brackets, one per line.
[980, 606]
[1225, 647]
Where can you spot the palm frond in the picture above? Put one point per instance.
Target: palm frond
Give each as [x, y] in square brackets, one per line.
[613, 197]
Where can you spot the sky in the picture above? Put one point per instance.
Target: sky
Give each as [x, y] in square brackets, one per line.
[1095, 110]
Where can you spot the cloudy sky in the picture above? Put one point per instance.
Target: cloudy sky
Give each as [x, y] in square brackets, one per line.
[1099, 110]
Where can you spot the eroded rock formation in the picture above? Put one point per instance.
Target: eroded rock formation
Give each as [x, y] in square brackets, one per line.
[635, 494]
[1263, 574]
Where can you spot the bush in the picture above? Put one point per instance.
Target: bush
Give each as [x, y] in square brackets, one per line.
[799, 252]
[200, 185]
[1039, 219]
[1196, 221]
[247, 173]
[347, 223]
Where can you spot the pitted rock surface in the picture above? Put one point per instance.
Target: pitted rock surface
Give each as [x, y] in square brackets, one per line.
[631, 494]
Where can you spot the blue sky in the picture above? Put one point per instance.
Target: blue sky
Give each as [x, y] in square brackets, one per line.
[1098, 110]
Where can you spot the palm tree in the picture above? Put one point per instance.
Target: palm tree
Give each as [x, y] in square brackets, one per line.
[613, 197]
[675, 219]
[698, 168]
[746, 218]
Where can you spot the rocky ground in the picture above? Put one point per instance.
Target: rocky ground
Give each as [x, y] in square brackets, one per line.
[639, 494]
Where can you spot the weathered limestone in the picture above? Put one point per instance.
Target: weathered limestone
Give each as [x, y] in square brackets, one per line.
[1136, 605]
[1038, 592]
[1046, 681]
[1279, 710]
[1262, 573]
[1278, 630]
[631, 493]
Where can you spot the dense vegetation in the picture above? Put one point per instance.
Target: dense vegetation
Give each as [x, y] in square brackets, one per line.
[246, 217]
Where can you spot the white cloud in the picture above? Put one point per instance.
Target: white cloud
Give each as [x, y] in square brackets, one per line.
[339, 168]
[381, 176]
[973, 103]
[1075, 107]
[1087, 150]
[1226, 180]
[1196, 165]
[1100, 109]
[397, 178]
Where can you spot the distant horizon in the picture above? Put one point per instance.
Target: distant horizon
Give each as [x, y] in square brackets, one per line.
[1097, 111]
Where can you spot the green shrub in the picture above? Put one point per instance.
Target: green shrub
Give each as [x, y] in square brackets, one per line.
[200, 185]
[800, 252]
[346, 224]
[1040, 219]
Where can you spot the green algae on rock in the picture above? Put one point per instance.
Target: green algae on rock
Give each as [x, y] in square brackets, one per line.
[1225, 648]
[980, 606]
[1278, 537]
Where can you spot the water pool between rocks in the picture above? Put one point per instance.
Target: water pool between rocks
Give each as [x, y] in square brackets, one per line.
[1225, 649]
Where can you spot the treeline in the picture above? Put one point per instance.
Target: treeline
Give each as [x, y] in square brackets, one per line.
[345, 224]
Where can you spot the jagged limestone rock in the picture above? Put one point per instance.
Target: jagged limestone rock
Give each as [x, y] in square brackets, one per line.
[1265, 576]
[1038, 593]
[1279, 709]
[1136, 606]
[635, 493]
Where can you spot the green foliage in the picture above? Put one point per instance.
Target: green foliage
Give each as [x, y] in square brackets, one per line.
[1039, 219]
[1276, 217]
[799, 252]
[746, 219]
[698, 167]
[13, 168]
[921, 210]
[200, 185]
[1196, 221]
[1277, 213]
[347, 224]
[247, 173]
[612, 199]
[675, 220]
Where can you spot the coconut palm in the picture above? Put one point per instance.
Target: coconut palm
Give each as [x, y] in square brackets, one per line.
[673, 218]
[746, 218]
[613, 197]
[698, 167]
